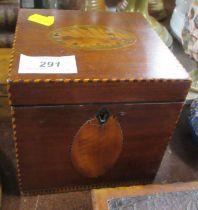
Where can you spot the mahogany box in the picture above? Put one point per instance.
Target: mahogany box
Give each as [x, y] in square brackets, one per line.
[106, 123]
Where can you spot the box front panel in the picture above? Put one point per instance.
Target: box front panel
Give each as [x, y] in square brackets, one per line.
[44, 136]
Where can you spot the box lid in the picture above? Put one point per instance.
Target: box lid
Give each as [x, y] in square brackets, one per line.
[4, 66]
[119, 58]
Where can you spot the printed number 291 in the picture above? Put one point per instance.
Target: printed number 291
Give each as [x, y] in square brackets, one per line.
[49, 64]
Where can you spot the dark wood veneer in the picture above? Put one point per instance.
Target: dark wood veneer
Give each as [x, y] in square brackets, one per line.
[142, 85]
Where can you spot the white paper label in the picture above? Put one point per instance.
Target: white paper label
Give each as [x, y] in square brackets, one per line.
[47, 65]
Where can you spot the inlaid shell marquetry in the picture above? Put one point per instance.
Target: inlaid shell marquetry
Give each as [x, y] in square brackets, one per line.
[92, 37]
[96, 148]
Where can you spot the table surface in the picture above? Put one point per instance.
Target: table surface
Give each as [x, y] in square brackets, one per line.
[180, 162]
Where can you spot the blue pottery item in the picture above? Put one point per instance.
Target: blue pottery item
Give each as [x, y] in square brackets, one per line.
[194, 120]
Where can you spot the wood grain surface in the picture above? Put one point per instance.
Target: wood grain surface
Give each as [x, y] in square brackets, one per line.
[146, 59]
[179, 162]
[135, 73]
[96, 147]
[44, 136]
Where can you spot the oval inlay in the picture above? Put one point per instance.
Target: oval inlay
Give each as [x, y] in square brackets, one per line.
[92, 37]
[96, 148]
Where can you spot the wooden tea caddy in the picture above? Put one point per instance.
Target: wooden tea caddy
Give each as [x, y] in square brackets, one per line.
[109, 123]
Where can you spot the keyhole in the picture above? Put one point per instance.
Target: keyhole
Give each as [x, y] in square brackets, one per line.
[102, 116]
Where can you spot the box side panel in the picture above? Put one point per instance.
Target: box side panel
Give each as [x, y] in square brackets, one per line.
[44, 135]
